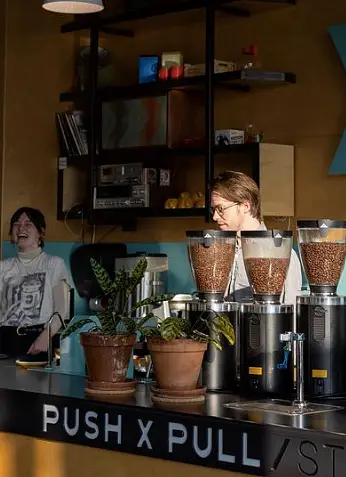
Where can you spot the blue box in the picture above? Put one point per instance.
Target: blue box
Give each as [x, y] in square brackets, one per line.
[148, 67]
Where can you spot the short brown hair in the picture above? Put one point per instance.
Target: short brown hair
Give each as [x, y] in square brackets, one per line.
[239, 188]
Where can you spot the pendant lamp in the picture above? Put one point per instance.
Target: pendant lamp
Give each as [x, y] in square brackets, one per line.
[73, 6]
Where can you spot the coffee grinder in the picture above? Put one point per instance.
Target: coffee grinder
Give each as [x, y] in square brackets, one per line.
[321, 314]
[211, 254]
[266, 362]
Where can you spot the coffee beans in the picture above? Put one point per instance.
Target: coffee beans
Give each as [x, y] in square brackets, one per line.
[323, 262]
[267, 275]
[212, 266]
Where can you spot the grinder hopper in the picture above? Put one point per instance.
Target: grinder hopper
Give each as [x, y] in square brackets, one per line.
[211, 254]
[267, 255]
[322, 247]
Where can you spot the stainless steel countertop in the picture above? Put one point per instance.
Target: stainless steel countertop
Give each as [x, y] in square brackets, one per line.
[68, 386]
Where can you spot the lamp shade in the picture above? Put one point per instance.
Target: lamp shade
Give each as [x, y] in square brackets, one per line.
[73, 6]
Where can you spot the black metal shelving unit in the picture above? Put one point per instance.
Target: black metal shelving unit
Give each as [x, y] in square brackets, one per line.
[244, 80]
[233, 80]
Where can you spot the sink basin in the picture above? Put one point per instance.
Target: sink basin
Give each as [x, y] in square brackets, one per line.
[41, 369]
[282, 407]
[53, 370]
[44, 369]
[36, 369]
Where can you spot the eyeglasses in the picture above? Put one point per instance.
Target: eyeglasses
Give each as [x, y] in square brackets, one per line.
[220, 209]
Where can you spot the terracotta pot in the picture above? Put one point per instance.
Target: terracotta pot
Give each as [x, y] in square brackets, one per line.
[177, 363]
[107, 358]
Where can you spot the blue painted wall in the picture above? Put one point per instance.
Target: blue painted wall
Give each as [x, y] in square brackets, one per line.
[179, 276]
[338, 36]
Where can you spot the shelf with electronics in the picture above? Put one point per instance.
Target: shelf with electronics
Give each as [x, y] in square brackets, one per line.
[187, 151]
[239, 80]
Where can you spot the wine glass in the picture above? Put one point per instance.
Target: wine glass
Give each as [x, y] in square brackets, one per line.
[142, 363]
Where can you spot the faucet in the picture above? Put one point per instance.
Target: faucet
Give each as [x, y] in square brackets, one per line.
[289, 337]
[49, 326]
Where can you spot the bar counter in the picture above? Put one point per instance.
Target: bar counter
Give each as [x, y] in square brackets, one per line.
[49, 428]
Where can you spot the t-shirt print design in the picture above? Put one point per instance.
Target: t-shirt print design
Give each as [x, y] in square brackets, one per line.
[24, 299]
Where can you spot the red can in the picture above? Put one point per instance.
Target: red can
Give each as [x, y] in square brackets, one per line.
[164, 73]
[177, 71]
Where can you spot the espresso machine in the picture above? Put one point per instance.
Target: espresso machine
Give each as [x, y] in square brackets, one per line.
[321, 314]
[265, 359]
[211, 254]
[154, 281]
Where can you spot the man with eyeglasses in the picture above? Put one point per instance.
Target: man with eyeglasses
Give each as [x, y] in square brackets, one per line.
[236, 206]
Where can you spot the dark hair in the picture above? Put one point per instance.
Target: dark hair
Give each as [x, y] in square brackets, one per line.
[34, 215]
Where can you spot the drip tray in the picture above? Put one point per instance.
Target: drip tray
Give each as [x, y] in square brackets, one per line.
[278, 406]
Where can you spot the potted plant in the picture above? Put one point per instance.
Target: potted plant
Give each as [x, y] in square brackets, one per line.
[177, 347]
[109, 344]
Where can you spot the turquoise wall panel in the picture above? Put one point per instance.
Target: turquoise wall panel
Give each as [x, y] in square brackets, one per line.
[338, 35]
[179, 276]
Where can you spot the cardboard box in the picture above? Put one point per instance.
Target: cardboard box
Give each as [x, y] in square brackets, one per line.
[199, 69]
[227, 137]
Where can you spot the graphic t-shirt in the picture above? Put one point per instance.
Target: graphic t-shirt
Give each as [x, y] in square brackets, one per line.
[26, 289]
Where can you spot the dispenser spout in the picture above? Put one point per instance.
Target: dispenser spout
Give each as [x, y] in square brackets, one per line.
[290, 337]
[50, 343]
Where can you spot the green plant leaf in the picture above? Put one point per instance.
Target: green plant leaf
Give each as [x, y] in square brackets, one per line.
[144, 320]
[102, 277]
[149, 331]
[109, 321]
[153, 300]
[205, 338]
[120, 281]
[75, 327]
[225, 328]
[129, 323]
[202, 325]
[172, 328]
[136, 276]
[185, 328]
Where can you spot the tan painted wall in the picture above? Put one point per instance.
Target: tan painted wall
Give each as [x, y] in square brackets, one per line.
[23, 456]
[39, 64]
[3, 11]
[310, 115]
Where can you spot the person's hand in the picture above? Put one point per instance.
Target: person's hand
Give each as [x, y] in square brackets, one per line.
[40, 344]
